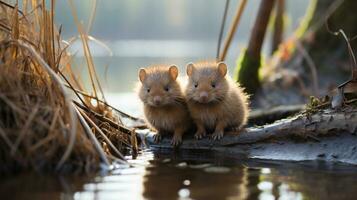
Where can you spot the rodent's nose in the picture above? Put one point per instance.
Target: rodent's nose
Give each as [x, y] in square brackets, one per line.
[157, 99]
[204, 95]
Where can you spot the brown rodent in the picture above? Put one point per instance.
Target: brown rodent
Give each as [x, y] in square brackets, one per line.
[165, 106]
[215, 101]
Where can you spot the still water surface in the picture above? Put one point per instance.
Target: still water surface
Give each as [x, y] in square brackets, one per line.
[194, 175]
[190, 175]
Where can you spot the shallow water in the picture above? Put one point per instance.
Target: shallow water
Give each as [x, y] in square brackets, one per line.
[189, 175]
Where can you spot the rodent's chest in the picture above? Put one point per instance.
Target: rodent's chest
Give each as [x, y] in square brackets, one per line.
[164, 118]
[205, 109]
[207, 114]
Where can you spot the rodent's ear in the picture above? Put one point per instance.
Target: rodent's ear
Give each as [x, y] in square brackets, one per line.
[189, 69]
[142, 74]
[222, 69]
[173, 71]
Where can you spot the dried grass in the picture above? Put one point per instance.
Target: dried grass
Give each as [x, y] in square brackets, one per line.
[41, 126]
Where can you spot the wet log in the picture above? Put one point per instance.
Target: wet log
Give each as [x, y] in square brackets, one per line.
[324, 135]
[266, 116]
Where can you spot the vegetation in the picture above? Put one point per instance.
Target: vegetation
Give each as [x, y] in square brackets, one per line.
[43, 126]
[249, 69]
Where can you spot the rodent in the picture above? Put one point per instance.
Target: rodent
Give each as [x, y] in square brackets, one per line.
[216, 103]
[165, 107]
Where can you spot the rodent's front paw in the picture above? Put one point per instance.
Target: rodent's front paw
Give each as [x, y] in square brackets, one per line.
[176, 140]
[200, 134]
[217, 135]
[157, 138]
[236, 129]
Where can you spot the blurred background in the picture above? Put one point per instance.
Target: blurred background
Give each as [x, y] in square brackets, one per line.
[142, 33]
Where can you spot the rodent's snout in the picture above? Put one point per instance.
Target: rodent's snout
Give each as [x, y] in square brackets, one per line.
[157, 100]
[203, 97]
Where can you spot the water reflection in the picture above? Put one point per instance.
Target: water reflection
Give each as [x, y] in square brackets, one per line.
[193, 175]
[169, 181]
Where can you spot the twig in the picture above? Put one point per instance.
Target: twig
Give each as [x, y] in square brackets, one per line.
[104, 119]
[92, 16]
[12, 7]
[105, 103]
[103, 135]
[232, 29]
[73, 89]
[87, 52]
[353, 62]
[71, 40]
[53, 34]
[85, 48]
[94, 140]
[222, 29]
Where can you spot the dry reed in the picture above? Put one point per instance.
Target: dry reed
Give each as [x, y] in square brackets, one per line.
[42, 127]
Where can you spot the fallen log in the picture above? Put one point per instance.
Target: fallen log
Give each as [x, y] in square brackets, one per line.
[324, 135]
[266, 116]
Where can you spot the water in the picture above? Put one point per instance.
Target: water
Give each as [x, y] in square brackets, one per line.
[193, 175]
[190, 175]
[143, 33]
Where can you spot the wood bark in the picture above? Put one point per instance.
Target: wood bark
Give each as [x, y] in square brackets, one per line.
[248, 72]
[258, 32]
[287, 139]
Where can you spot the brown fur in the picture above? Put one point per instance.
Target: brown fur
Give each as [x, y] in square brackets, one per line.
[214, 100]
[171, 114]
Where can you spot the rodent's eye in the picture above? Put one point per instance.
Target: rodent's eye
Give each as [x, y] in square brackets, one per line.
[196, 85]
[148, 90]
[213, 85]
[166, 88]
